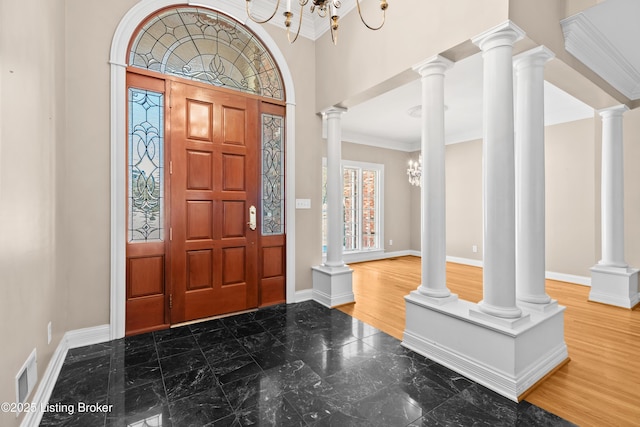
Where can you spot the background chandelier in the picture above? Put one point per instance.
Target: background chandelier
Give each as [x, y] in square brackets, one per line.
[324, 8]
[415, 171]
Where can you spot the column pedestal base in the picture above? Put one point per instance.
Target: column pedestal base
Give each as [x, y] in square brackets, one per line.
[614, 286]
[332, 286]
[508, 358]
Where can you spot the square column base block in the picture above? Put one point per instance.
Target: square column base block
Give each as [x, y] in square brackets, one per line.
[550, 306]
[614, 286]
[506, 358]
[332, 286]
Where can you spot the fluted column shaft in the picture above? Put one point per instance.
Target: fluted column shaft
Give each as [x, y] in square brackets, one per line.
[612, 188]
[335, 219]
[433, 236]
[530, 181]
[499, 295]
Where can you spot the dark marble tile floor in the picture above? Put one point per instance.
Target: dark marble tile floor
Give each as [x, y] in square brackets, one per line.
[286, 365]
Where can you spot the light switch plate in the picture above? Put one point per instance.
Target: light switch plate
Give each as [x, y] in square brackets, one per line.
[303, 203]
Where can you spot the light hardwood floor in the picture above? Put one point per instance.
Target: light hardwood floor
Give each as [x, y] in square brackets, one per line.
[600, 386]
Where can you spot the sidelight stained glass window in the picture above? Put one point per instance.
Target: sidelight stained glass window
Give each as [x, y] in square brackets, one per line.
[146, 166]
[272, 174]
[206, 46]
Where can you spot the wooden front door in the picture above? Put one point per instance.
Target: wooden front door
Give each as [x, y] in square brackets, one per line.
[200, 161]
[214, 197]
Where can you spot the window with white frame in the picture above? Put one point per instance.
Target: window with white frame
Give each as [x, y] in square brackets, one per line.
[362, 202]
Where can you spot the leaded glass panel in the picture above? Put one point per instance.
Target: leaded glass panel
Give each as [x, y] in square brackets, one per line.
[146, 166]
[203, 45]
[272, 174]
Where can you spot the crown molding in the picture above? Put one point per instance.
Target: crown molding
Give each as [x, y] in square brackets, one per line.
[589, 45]
[359, 138]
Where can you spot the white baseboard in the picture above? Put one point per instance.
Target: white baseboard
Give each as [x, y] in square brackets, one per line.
[570, 278]
[465, 261]
[304, 295]
[375, 256]
[551, 275]
[71, 339]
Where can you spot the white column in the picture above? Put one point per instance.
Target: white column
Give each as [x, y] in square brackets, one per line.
[335, 219]
[433, 240]
[333, 280]
[492, 342]
[612, 280]
[499, 294]
[612, 188]
[530, 182]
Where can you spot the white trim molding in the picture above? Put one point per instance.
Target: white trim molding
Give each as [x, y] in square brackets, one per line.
[530, 348]
[71, 339]
[118, 60]
[585, 41]
[569, 278]
[551, 275]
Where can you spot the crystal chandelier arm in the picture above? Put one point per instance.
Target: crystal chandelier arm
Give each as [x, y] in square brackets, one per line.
[383, 7]
[287, 23]
[258, 21]
[333, 24]
[334, 5]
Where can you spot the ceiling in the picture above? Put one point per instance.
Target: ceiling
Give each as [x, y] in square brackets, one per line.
[384, 121]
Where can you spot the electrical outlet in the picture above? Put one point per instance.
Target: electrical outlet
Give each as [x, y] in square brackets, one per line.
[390, 242]
[49, 333]
[474, 248]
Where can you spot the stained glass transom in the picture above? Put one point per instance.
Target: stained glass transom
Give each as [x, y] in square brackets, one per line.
[146, 165]
[272, 174]
[203, 45]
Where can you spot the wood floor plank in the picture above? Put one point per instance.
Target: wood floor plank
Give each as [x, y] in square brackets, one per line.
[599, 386]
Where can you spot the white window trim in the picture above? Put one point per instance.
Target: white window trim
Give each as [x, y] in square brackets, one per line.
[366, 254]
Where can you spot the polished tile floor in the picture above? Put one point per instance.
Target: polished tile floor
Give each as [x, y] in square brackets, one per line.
[286, 365]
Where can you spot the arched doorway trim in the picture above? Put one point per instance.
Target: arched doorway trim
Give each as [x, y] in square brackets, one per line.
[118, 62]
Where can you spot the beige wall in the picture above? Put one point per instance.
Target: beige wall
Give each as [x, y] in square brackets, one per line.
[369, 62]
[464, 199]
[397, 191]
[85, 182]
[31, 130]
[570, 198]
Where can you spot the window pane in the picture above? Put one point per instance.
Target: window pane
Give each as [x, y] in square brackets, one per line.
[206, 46]
[272, 174]
[324, 209]
[351, 208]
[146, 166]
[369, 202]
[361, 206]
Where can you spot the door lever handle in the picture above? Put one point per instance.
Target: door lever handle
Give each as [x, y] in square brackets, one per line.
[252, 218]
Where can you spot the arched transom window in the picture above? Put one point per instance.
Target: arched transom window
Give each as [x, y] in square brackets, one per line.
[206, 46]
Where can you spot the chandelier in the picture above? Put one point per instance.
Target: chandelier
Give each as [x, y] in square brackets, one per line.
[415, 171]
[324, 8]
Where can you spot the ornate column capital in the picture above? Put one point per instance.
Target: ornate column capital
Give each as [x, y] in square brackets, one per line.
[505, 34]
[437, 64]
[333, 112]
[615, 111]
[538, 56]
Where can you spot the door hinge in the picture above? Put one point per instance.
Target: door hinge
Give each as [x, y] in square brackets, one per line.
[170, 167]
[170, 301]
[170, 234]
